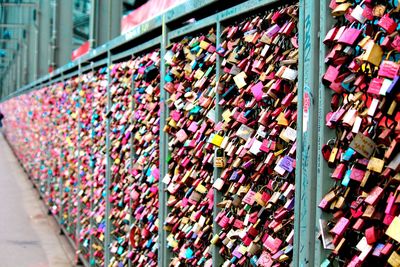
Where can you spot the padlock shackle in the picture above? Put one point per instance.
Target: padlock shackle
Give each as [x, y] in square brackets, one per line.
[389, 54]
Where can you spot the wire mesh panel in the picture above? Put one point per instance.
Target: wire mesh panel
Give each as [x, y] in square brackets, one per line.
[57, 156]
[143, 191]
[359, 151]
[256, 139]
[71, 173]
[84, 159]
[98, 163]
[191, 83]
[120, 160]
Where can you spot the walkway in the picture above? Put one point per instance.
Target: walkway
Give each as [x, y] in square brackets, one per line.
[28, 236]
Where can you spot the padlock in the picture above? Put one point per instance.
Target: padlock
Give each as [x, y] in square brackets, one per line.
[341, 9]
[373, 53]
[366, 150]
[358, 13]
[387, 23]
[350, 36]
[388, 68]
[219, 159]
[197, 123]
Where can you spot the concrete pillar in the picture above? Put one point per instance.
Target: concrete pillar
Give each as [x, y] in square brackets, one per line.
[107, 20]
[30, 33]
[44, 37]
[64, 34]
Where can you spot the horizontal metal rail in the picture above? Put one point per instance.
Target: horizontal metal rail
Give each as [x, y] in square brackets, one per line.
[138, 49]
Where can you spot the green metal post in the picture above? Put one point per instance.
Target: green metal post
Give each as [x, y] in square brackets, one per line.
[108, 167]
[60, 182]
[78, 186]
[132, 152]
[326, 21]
[307, 134]
[163, 253]
[91, 221]
[44, 36]
[60, 189]
[217, 259]
[70, 203]
[48, 182]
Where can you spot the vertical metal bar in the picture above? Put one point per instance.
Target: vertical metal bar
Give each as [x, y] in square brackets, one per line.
[7, 85]
[24, 73]
[42, 185]
[308, 94]
[37, 40]
[132, 151]
[61, 184]
[49, 178]
[31, 56]
[92, 167]
[12, 72]
[326, 21]
[299, 142]
[163, 253]
[20, 54]
[5, 89]
[61, 189]
[53, 45]
[78, 186]
[216, 256]
[70, 203]
[11, 89]
[15, 73]
[9, 82]
[18, 68]
[5, 93]
[108, 167]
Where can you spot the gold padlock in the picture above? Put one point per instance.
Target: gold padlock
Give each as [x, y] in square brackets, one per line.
[373, 53]
[341, 9]
[375, 164]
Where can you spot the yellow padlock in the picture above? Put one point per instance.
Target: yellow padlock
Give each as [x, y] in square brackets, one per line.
[217, 139]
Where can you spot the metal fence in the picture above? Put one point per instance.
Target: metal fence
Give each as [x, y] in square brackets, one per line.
[158, 33]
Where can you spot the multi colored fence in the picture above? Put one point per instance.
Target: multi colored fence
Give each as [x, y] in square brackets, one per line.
[241, 139]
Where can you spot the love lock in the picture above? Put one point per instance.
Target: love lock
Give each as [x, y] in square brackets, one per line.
[219, 159]
[364, 165]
